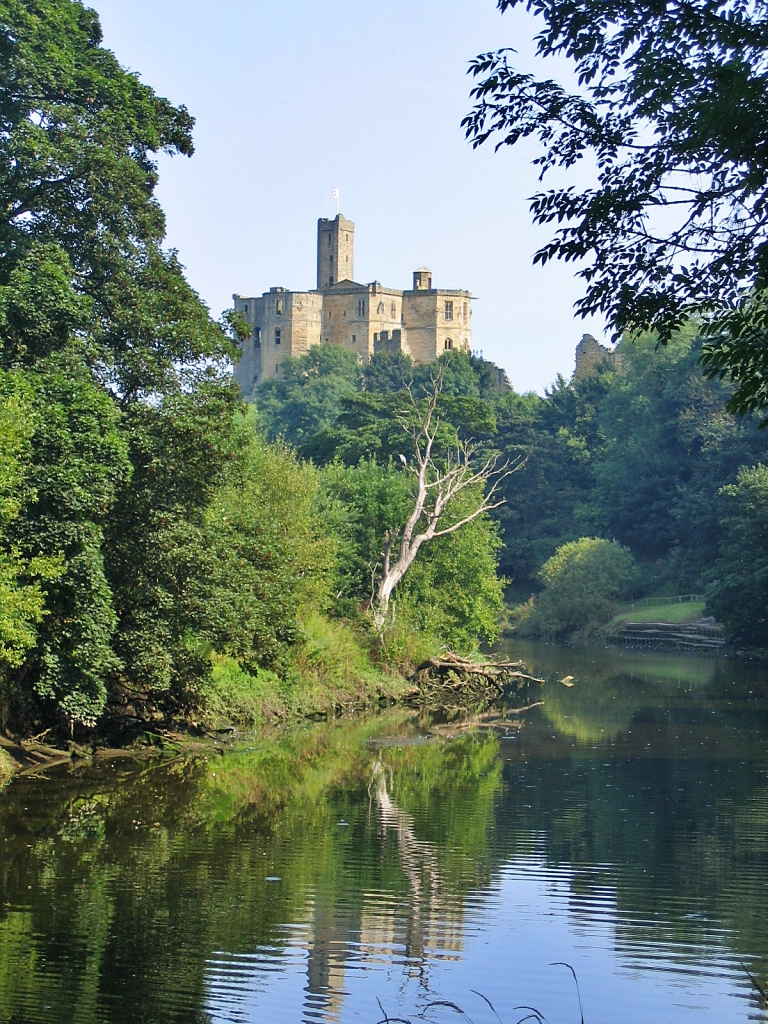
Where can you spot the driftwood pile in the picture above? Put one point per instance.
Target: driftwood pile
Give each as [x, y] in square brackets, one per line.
[453, 683]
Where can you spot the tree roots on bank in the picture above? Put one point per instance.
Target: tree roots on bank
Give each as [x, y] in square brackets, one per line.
[452, 682]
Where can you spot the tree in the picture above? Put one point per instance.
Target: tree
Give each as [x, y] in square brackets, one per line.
[582, 582]
[440, 479]
[126, 371]
[307, 396]
[670, 107]
[738, 582]
[271, 556]
[22, 580]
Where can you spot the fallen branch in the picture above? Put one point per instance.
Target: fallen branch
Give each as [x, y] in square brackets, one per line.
[449, 678]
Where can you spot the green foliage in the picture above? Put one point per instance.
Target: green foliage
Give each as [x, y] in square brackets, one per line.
[637, 451]
[22, 598]
[583, 581]
[272, 558]
[307, 396]
[78, 462]
[558, 441]
[329, 406]
[129, 390]
[738, 582]
[671, 108]
[361, 504]
[453, 591]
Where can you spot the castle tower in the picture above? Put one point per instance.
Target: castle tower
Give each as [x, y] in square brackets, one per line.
[335, 251]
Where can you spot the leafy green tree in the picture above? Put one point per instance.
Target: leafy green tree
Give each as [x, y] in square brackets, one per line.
[114, 344]
[328, 405]
[79, 460]
[361, 504]
[738, 582]
[454, 592]
[451, 593]
[388, 371]
[668, 448]
[559, 438]
[272, 558]
[22, 580]
[583, 580]
[671, 109]
[307, 396]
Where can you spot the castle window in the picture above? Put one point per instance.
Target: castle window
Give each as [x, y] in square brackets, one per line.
[245, 307]
[380, 309]
[361, 307]
[344, 314]
[393, 310]
[346, 238]
[354, 339]
[279, 307]
[449, 311]
[375, 338]
[465, 311]
[277, 335]
[330, 279]
[329, 241]
[448, 344]
[257, 335]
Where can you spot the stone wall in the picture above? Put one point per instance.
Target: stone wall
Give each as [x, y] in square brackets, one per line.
[283, 324]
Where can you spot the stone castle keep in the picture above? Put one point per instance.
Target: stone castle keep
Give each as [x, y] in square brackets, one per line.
[364, 318]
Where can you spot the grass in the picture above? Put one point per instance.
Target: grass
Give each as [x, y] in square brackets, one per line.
[333, 667]
[685, 611]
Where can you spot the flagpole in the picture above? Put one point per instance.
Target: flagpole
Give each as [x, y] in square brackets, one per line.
[335, 194]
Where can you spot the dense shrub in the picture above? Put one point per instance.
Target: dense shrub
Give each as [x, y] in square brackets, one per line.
[583, 581]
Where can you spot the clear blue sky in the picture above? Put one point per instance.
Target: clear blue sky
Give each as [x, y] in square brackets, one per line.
[297, 97]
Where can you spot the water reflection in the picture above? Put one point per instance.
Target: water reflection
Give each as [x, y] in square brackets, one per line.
[623, 828]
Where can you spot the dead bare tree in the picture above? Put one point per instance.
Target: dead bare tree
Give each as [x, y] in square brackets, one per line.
[438, 482]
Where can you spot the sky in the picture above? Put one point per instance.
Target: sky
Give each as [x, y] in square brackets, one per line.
[294, 98]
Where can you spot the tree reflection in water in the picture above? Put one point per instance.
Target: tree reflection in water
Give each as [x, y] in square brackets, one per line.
[140, 893]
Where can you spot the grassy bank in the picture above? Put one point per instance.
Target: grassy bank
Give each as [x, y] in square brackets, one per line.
[336, 666]
[685, 611]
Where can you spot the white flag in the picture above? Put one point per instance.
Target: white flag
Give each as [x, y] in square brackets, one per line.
[335, 193]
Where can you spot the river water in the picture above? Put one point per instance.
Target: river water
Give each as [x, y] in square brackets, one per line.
[350, 870]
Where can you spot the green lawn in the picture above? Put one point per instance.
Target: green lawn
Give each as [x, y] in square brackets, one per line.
[685, 611]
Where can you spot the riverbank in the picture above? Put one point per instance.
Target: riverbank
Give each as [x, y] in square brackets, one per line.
[334, 675]
[337, 668]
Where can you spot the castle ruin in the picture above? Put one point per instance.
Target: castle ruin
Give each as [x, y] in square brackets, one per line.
[422, 322]
[590, 355]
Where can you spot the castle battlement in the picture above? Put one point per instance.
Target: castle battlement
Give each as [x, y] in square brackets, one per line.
[422, 322]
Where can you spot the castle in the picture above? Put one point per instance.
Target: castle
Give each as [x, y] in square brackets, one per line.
[423, 322]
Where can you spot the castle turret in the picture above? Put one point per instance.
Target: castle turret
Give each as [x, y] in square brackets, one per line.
[422, 280]
[335, 251]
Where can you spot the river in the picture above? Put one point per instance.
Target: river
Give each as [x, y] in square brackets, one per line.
[352, 870]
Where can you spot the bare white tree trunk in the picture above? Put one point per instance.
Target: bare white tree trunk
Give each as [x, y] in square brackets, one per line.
[437, 485]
